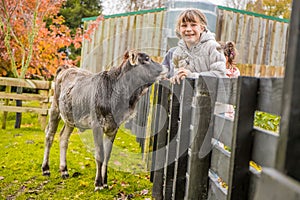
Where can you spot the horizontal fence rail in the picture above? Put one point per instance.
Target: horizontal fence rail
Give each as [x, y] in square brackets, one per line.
[37, 91]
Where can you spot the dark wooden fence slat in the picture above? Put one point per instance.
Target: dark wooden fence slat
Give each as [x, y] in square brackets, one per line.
[160, 158]
[242, 138]
[155, 120]
[156, 191]
[227, 90]
[172, 143]
[254, 183]
[177, 139]
[139, 127]
[264, 148]
[215, 192]
[223, 130]
[145, 107]
[276, 185]
[288, 153]
[186, 98]
[201, 134]
[134, 121]
[269, 96]
[220, 163]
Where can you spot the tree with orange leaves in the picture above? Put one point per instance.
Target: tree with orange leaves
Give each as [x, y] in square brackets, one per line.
[31, 35]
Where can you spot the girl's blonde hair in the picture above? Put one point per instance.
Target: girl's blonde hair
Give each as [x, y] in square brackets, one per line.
[190, 15]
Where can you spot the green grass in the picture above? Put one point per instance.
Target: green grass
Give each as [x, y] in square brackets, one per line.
[21, 155]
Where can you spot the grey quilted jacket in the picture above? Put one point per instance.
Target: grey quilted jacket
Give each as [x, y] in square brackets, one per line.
[206, 58]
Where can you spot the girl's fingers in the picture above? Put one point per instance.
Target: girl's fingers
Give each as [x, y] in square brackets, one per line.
[178, 79]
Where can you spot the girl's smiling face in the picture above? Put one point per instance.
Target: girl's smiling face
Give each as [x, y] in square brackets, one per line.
[190, 32]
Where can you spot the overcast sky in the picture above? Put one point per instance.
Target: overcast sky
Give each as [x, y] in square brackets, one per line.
[109, 6]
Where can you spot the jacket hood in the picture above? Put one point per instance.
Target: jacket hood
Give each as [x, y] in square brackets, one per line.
[207, 35]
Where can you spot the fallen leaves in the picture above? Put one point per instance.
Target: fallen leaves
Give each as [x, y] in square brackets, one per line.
[123, 196]
[144, 192]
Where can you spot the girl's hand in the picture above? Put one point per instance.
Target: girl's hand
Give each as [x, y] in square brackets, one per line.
[182, 73]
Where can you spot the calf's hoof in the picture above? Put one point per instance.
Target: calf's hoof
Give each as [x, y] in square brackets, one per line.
[46, 173]
[65, 175]
[98, 188]
[45, 170]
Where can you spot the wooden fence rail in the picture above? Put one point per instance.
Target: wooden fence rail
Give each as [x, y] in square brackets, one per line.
[203, 150]
[9, 97]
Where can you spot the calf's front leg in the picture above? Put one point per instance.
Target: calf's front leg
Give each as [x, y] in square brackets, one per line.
[108, 143]
[99, 157]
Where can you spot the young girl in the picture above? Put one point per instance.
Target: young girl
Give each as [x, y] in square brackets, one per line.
[197, 53]
[232, 71]
[230, 53]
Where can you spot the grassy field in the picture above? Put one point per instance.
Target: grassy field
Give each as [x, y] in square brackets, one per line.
[21, 154]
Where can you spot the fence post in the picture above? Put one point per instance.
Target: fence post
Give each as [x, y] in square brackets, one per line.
[201, 134]
[242, 138]
[183, 137]
[6, 102]
[155, 122]
[148, 141]
[171, 143]
[288, 154]
[43, 118]
[18, 114]
[160, 157]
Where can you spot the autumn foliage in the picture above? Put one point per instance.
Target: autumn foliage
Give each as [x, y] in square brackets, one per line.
[275, 8]
[31, 36]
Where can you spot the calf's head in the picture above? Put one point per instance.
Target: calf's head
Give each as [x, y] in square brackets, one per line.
[141, 67]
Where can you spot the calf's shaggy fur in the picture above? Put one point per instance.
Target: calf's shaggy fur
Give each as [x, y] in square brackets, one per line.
[98, 101]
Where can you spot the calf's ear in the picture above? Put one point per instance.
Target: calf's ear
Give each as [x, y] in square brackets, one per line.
[126, 55]
[133, 57]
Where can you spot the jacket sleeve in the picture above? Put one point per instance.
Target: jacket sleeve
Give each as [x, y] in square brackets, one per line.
[167, 61]
[217, 60]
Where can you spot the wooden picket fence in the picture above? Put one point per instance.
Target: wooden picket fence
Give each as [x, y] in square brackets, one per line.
[196, 151]
[261, 40]
[9, 98]
[261, 70]
[141, 30]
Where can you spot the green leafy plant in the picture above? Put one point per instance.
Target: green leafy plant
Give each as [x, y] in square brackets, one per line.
[267, 121]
